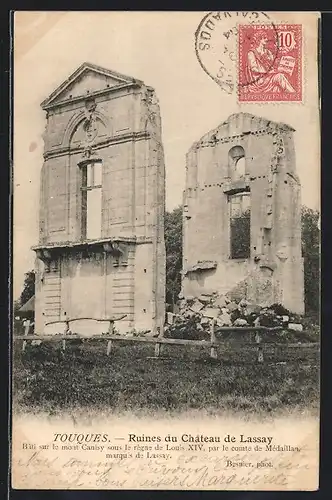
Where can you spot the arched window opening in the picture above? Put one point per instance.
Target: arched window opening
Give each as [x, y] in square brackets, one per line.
[237, 162]
[240, 226]
[240, 167]
[91, 190]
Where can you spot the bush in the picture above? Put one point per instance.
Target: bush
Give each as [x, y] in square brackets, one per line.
[311, 260]
[188, 328]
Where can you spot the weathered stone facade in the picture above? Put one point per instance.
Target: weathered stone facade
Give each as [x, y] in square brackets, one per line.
[244, 171]
[101, 250]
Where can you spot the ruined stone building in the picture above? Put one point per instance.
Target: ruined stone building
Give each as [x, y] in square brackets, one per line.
[242, 214]
[101, 247]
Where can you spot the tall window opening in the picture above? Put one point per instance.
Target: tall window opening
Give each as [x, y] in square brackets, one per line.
[91, 200]
[237, 162]
[239, 226]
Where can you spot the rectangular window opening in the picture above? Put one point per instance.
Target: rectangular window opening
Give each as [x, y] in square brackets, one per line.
[91, 192]
[240, 226]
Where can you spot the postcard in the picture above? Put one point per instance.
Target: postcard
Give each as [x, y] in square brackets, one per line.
[166, 251]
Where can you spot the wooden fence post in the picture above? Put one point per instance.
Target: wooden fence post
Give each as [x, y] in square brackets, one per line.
[67, 327]
[110, 332]
[213, 352]
[158, 346]
[157, 350]
[109, 347]
[260, 357]
[24, 345]
[26, 332]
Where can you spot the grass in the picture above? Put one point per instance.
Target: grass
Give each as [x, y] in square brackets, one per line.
[184, 379]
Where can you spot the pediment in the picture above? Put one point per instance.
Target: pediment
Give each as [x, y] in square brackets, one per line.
[87, 80]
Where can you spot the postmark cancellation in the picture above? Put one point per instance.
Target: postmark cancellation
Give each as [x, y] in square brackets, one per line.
[253, 55]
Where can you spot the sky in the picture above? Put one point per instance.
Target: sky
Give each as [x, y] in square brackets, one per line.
[158, 48]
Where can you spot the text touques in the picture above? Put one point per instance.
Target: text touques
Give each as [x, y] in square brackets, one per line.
[81, 438]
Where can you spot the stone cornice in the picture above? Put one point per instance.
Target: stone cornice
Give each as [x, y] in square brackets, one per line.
[213, 140]
[89, 244]
[258, 126]
[107, 90]
[116, 139]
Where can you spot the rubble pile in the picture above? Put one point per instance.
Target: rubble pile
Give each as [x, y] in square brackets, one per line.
[199, 311]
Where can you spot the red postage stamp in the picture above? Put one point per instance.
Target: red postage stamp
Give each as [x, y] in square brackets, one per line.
[270, 63]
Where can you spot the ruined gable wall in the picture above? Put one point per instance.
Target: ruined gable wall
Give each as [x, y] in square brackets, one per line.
[129, 145]
[275, 213]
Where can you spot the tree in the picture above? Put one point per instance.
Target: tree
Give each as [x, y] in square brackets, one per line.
[240, 236]
[311, 259]
[173, 243]
[28, 288]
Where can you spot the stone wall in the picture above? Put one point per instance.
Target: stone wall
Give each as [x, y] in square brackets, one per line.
[274, 271]
[102, 116]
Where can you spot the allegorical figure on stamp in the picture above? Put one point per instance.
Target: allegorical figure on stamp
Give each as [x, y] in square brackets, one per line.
[260, 74]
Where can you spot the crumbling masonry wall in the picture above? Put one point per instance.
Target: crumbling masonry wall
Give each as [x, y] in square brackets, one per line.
[272, 272]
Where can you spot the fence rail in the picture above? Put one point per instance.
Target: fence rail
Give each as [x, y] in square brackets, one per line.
[213, 343]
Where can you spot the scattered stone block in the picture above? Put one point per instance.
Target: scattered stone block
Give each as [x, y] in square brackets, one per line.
[211, 312]
[220, 301]
[232, 306]
[296, 327]
[240, 322]
[170, 318]
[224, 320]
[196, 306]
[204, 321]
[205, 298]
